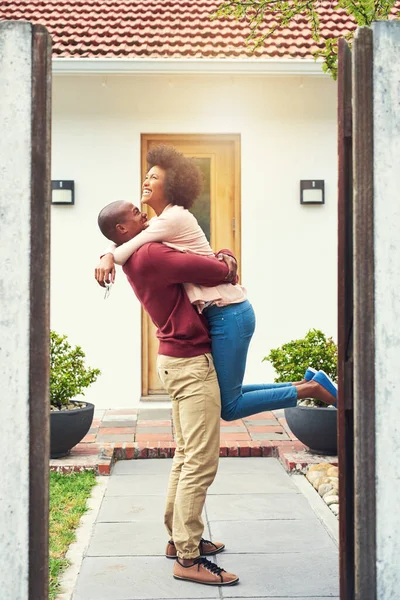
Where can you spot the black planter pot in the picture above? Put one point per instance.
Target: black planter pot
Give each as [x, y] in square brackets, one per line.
[68, 428]
[314, 427]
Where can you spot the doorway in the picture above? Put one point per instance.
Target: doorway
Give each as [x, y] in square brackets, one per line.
[217, 210]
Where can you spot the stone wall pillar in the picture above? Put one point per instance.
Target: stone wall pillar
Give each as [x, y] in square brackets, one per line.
[376, 266]
[25, 81]
[386, 219]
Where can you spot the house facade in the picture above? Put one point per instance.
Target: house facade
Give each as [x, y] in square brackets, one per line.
[127, 75]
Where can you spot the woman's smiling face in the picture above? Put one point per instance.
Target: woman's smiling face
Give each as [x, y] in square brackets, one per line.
[153, 188]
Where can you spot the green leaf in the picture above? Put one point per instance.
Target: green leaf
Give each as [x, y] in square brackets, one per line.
[254, 12]
[69, 376]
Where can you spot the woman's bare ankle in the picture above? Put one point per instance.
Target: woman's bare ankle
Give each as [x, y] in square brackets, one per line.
[305, 390]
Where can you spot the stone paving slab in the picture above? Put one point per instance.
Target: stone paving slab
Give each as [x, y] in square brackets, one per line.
[115, 437]
[267, 467]
[272, 436]
[135, 578]
[234, 429]
[129, 539]
[261, 537]
[125, 509]
[131, 508]
[139, 467]
[145, 484]
[117, 421]
[140, 429]
[247, 483]
[155, 414]
[257, 506]
[259, 422]
[311, 574]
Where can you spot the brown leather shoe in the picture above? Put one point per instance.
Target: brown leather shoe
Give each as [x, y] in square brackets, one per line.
[206, 548]
[204, 571]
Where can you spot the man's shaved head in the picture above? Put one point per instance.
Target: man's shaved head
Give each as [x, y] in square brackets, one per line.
[120, 221]
[110, 216]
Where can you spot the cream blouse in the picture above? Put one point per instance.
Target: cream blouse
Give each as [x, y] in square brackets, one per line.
[177, 228]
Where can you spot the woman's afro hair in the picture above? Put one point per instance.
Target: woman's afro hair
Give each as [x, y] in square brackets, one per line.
[184, 180]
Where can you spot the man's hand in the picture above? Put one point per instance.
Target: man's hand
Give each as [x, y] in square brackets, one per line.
[232, 266]
[105, 270]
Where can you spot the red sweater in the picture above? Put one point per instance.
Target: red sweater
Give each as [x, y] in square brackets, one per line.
[156, 273]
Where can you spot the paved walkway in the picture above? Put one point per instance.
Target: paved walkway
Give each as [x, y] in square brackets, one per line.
[274, 541]
[148, 433]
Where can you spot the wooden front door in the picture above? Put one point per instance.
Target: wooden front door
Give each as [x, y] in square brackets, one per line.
[217, 210]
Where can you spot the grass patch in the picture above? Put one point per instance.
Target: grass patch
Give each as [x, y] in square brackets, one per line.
[68, 496]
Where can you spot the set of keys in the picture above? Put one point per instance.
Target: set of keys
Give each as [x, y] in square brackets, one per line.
[108, 289]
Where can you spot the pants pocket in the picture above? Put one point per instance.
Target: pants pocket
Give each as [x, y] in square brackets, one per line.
[246, 322]
[191, 368]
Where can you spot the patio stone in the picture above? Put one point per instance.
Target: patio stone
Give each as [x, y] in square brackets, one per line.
[269, 435]
[115, 437]
[119, 509]
[247, 483]
[259, 423]
[142, 467]
[126, 509]
[110, 422]
[135, 578]
[257, 506]
[132, 485]
[153, 430]
[226, 429]
[154, 414]
[261, 537]
[265, 467]
[129, 539]
[302, 575]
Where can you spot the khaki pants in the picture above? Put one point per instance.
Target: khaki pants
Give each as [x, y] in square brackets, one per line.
[196, 407]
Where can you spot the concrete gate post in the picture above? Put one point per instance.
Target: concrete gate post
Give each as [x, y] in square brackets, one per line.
[376, 266]
[25, 80]
[386, 218]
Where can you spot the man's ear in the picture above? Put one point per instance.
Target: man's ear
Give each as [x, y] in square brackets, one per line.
[121, 228]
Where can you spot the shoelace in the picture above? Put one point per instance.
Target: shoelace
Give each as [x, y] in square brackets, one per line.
[203, 541]
[210, 566]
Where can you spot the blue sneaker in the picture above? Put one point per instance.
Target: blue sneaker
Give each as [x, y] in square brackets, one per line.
[310, 373]
[326, 382]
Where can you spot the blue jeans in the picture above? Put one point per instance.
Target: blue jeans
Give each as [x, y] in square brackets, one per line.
[231, 329]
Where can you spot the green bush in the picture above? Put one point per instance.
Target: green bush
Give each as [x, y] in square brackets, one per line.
[68, 374]
[291, 360]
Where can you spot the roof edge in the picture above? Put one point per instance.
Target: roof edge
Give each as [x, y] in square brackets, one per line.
[251, 66]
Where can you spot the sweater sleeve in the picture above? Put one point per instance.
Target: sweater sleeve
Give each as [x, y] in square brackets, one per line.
[179, 267]
[160, 229]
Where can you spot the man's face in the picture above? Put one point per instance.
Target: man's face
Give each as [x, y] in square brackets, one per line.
[153, 188]
[131, 223]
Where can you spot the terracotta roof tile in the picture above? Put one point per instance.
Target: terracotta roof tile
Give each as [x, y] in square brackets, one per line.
[164, 29]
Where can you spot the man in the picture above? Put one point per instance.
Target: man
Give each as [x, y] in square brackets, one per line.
[185, 366]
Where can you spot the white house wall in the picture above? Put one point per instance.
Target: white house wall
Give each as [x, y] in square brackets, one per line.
[288, 133]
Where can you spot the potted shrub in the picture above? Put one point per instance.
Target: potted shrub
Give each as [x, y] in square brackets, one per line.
[70, 419]
[312, 422]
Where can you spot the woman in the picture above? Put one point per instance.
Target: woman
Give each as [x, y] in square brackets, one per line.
[170, 188]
